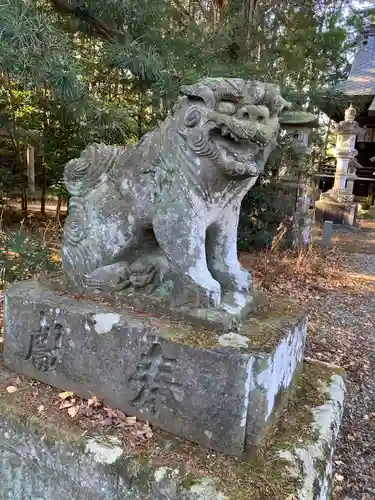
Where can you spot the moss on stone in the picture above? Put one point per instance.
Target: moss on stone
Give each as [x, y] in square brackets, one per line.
[297, 420]
[16, 408]
[139, 471]
[264, 476]
[188, 335]
[295, 427]
[189, 481]
[264, 328]
[266, 325]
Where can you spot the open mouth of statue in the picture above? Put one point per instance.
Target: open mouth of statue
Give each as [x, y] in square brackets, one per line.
[226, 140]
[225, 133]
[242, 132]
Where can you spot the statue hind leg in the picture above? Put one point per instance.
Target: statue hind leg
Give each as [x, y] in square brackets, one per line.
[83, 263]
[95, 258]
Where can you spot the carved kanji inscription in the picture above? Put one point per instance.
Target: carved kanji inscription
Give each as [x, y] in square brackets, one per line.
[45, 345]
[155, 376]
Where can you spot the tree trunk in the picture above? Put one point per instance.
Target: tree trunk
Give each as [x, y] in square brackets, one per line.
[24, 198]
[58, 207]
[30, 155]
[44, 186]
[140, 115]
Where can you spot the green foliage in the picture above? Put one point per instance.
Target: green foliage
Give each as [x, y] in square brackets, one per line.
[258, 219]
[21, 256]
[110, 70]
[366, 203]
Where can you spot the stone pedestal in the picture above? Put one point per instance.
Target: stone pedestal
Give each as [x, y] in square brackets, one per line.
[219, 390]
[338, 213]
[336, 205]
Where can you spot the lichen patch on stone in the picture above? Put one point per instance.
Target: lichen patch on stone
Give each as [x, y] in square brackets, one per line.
[104, 322]
[206, 490]
[233, 339]
[248, 387]
[105, 452]
[314, 458]
[160, 474]
[281, 367]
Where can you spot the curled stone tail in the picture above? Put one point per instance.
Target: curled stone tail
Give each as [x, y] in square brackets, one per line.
[89, 170]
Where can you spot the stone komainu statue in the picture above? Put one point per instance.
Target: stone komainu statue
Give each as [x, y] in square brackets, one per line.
[171, 202]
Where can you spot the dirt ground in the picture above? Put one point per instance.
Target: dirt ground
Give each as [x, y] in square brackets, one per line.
[337, 286]
[344, 329]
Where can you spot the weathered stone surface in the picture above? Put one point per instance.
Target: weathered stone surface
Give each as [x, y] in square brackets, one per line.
[173, 300]
[48, 458]
[166, 209]
[220, 390]
[338, 213]
[312, 462]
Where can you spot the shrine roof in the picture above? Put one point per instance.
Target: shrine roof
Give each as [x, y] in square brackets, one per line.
[361, 80]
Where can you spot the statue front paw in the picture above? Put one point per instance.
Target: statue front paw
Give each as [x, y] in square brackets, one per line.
[213, 292]
[208, 289]
[235, 280]
[242, 280]
[113, 277]
[214, 296]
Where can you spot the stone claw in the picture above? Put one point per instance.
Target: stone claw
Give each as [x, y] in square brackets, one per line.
[214, 297]
[243, 280]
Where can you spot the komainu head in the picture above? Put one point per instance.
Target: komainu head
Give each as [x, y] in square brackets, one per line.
[231, 121]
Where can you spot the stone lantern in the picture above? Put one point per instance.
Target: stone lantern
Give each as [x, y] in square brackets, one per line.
[346, 132]
[337, 204]
[298, 125]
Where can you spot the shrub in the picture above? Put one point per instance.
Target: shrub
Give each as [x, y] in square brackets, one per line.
[366, 203]
[22, 256]
[258, 219]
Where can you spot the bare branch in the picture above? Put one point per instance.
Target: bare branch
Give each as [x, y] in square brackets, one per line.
[66, 6]
[78, 9]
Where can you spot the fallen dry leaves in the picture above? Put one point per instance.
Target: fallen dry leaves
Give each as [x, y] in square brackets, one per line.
[66, 395]
[72, 412]
[92, 413]
[336, 287]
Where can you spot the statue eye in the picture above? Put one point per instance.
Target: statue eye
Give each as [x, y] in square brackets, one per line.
[225, 107]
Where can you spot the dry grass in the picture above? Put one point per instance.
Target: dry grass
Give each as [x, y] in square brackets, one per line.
[299, 277]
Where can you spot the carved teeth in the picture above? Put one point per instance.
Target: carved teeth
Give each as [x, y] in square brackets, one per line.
[225, 131]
